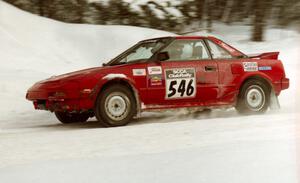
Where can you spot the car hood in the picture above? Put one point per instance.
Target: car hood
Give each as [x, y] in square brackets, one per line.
[73, 75]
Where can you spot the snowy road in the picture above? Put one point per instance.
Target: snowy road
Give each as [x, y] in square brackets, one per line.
[205, 148]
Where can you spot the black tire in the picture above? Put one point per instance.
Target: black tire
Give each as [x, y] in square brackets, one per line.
[254, 97]
[115, 106]
[66, 117]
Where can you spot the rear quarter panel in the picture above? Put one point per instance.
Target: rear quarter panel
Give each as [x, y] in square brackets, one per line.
[232, 75]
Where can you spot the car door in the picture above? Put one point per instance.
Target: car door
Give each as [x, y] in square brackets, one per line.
[227, 77]
[189, 77]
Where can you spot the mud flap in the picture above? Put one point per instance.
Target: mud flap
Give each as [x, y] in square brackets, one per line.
[274, 103]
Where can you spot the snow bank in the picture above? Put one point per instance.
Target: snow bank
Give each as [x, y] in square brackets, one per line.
[34, 48]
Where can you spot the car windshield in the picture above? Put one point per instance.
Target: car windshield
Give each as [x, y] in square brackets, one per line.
[141, 51]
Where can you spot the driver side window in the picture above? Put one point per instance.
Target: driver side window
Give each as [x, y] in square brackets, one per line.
[184, 50]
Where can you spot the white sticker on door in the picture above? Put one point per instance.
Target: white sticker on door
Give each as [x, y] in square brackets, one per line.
[250, 66]
[139, 72]
[154, 70]
[180, 83]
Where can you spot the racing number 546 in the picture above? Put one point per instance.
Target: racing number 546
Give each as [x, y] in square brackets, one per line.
[180, 83]
[179, 86]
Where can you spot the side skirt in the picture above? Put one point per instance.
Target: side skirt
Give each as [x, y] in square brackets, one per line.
[190, 109]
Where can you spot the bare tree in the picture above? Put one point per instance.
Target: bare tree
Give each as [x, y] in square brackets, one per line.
[258, 21]
[209, 14]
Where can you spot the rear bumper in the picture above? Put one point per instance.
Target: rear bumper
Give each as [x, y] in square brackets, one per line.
[285, 83]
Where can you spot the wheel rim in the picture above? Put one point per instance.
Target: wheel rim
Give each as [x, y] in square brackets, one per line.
[117, 106]
[255, 98]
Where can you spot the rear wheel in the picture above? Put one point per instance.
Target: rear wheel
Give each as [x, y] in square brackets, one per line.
[67, 117]
[254, 97]
[115, 106]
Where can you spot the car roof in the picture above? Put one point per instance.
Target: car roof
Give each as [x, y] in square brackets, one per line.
[182, 37]
[233, 51]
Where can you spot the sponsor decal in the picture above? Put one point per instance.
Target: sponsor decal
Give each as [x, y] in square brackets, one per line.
[180, 83]
[265, 68]
[156, 80]
[139, 72]
[154, 70]
[250, 66]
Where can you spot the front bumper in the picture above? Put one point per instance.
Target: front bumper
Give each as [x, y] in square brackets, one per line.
[80, 104]
[62, 105]
[55, 96]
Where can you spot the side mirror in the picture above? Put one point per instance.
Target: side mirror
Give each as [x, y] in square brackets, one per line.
[162, 56]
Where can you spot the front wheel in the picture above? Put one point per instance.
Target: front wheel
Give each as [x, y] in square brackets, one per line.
[67, 117]
[115, 106]
[254, 98]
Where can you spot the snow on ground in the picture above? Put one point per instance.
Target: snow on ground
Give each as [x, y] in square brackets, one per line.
[202, 147]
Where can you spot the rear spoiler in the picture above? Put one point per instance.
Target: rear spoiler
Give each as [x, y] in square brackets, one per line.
[267, 55]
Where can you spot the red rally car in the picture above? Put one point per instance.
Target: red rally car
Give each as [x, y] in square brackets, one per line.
[164, 73]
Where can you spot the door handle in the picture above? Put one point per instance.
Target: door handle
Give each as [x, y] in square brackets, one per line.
[210, 68]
